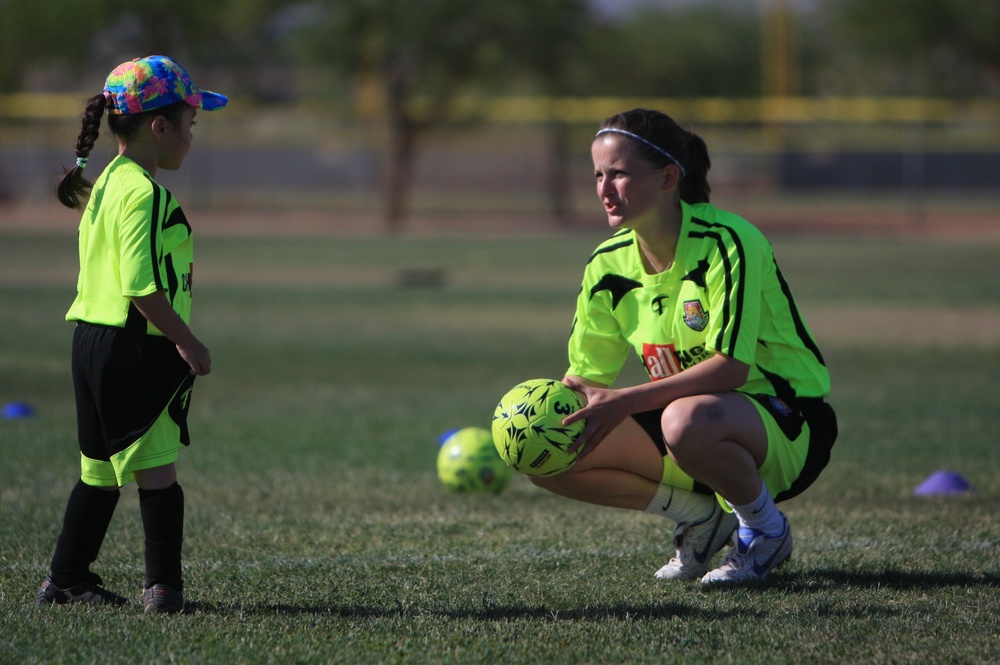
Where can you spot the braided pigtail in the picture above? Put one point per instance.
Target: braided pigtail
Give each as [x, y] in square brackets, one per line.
[73, 188]
[694, 186]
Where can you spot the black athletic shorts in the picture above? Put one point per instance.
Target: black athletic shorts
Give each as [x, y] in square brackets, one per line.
[123, 382]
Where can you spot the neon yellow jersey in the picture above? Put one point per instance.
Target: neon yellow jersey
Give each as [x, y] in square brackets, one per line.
[723, 294]
[134, 241]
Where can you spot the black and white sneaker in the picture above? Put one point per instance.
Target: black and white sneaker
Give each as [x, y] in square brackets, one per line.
[88, 591]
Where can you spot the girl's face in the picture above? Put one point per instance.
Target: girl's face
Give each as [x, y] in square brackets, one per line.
[176, 143]
[629, 186]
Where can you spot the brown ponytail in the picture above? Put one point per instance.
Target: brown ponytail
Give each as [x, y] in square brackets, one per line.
[73, 188]
[694, 186]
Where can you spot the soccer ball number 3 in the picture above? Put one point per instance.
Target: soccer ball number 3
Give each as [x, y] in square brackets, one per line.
[528, 431]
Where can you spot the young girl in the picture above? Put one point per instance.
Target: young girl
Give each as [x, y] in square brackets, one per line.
[134, 356]
[735, 405]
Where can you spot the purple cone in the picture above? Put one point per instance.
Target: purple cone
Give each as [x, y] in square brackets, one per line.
[943, 482]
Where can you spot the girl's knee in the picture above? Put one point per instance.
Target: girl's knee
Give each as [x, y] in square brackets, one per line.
[685, 421]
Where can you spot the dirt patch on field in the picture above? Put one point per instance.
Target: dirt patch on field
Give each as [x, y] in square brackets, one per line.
[974, 328]
[803, 218]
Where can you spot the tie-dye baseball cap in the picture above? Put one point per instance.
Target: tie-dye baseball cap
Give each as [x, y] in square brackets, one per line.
[153, 82]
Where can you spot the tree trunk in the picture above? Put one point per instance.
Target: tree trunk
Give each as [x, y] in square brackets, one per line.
[404, 131]
[403, 135]
[560, 184]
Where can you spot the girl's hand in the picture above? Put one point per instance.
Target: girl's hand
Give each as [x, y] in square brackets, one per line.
[196, 355]
[604, 410]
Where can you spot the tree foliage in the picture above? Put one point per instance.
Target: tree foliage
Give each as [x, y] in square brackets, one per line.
[701, 49]
[918, 47]
[948, 47]
[406, 62]
[420, 56]
[59, 41]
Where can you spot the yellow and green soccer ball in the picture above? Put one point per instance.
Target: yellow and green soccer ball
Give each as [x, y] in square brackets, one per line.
[528, 431]
[468, 462]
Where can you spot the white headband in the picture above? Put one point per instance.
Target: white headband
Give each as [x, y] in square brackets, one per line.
[649, 143]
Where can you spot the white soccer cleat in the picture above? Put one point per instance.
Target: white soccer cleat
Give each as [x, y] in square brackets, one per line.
[697, 543]
[754, 556]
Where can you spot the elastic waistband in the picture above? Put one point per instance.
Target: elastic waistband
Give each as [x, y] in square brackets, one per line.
[132, 334]
[88, 324]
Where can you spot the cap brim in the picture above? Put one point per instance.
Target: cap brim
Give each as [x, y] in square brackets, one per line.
[212, 101]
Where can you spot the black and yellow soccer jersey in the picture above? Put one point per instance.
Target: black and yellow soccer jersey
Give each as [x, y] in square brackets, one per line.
[723, 294]
[134, 241]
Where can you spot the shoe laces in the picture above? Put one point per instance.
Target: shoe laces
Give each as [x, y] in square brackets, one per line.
[734, 560]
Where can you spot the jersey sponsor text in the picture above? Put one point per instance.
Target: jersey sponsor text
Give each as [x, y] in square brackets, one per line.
[661, 360]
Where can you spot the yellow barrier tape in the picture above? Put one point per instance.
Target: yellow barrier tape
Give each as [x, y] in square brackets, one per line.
[705, 110]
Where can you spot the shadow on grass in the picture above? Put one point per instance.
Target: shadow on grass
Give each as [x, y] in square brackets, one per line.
[487, 613]
[590, 613]
[826, 579]
[901, 580]
[782, 583]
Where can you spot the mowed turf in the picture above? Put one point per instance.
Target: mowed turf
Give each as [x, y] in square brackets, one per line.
[317, 531]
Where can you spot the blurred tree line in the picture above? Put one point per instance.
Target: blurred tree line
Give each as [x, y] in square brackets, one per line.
[409, 61]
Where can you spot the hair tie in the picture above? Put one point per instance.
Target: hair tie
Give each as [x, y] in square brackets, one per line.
[81, 162]
[649, 143]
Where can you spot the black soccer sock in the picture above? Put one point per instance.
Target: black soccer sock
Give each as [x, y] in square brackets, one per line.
[163, 522]
[85, 523]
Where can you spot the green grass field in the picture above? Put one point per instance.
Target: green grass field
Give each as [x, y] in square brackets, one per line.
[317, 531]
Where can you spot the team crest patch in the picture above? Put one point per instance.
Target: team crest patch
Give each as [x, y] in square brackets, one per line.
[695, 316]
